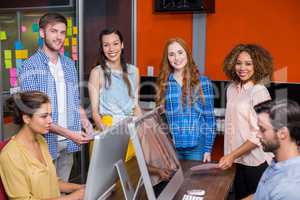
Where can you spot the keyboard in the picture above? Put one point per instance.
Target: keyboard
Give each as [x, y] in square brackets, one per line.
[191, 197]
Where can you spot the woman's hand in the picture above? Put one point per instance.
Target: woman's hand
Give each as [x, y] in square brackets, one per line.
[207, 157]
[164, 174]
[226, 162]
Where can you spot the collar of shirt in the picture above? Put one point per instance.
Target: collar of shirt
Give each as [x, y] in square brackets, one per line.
[245, 86]
[44, 57]
[282, 165]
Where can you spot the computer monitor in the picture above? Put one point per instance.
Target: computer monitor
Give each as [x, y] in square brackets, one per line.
[110, 146]
[154, 149]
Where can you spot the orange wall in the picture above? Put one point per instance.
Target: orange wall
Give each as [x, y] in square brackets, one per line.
[153, 29]
[270, 23]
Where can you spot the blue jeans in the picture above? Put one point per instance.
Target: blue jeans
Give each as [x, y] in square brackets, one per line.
[64, 161]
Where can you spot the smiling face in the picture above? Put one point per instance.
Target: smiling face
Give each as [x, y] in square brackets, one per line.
[267, 135]
[41, 120]
[112, 47]
[244, 67]
[177, 56]
[54, 35]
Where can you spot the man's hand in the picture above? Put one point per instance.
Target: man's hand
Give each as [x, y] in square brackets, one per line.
[226, 162]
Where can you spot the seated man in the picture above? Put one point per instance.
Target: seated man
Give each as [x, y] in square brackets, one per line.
[279, 124]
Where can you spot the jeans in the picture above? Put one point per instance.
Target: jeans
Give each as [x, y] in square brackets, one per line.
[64, 161]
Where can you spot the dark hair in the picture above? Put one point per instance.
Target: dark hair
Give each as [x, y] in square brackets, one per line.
[101, 60]
[50, 18]
[25, 103]
[283, 113]
[261, 59]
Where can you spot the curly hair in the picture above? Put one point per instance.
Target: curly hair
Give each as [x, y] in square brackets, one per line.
[191, 74]
[261, 59]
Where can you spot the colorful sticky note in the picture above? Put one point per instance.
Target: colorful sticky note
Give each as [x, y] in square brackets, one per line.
[13, 81]
[22, 54]
[3, 35]
[69, 31]
[12, 72]
[74, 41]
[62, 51]
[67, 53]
[66, 43]
[74, 56]
[35, 27]
[40, 42]
[69, 22]
[18, 63]
[18, 45]
[74, 49]
[7, 54]
[8, 64]
[75, 30]
[23, 28]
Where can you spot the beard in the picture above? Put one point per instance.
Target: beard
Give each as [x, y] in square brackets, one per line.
[49, 44]
[270, 146]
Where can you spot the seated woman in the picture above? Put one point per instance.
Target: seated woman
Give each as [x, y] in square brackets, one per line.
[26, 168]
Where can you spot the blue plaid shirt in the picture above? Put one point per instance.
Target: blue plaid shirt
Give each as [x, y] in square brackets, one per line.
[35, 74]
[191, 123]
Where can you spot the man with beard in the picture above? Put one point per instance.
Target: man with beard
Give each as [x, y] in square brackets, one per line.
[54, 74]
[279, 124]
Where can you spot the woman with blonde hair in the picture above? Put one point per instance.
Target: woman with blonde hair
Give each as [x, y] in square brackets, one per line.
[187, 98]
[249, 66]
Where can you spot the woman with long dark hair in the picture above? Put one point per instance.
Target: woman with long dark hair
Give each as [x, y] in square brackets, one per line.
[113, 84]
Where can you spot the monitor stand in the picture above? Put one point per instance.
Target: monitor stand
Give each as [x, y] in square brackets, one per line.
[128, 190]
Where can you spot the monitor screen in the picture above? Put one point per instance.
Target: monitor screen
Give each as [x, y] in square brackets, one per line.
[160, 169]
[109, 147]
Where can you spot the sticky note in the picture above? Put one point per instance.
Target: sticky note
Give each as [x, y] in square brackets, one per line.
[8, 64]
[74, 56]
[69, 31]
[18, 45]
[3, 35]
[75, 30]
[18, 63]
[35, 27]
[67, 53]
[62, 51]
[40, 41]
[22, 54]
[23, 29]
[66, 43]
[74, 49]
[13, 81]
[7, 54]
[69, 22]
[12, 72]
[74, 41]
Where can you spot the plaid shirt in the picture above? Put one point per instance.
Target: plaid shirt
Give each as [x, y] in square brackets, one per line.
[35, 75]
[190, 124]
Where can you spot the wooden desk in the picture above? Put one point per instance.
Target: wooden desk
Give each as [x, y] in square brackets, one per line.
[216, 183]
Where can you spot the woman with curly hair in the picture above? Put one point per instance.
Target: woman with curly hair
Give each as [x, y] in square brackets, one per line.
[188, 100]
[248, 66]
